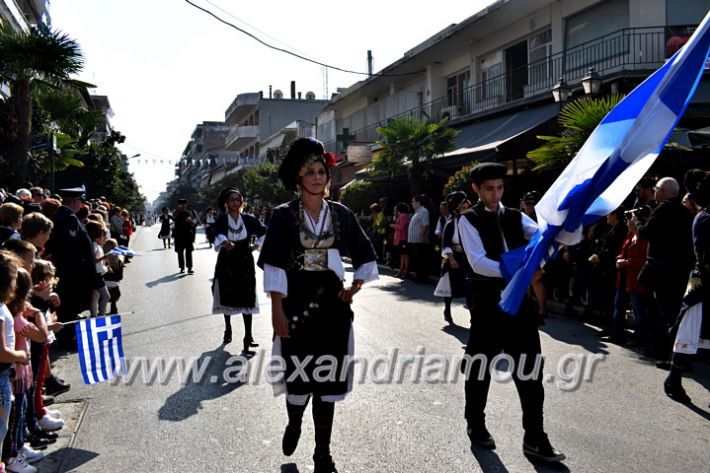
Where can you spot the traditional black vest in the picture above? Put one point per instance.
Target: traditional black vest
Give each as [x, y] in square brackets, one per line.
[492, 227]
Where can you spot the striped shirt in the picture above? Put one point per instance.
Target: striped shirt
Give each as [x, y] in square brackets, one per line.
[418, 231]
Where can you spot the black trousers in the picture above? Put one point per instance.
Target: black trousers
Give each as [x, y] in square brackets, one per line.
[664, 309]
[184, 256]
[491, 334]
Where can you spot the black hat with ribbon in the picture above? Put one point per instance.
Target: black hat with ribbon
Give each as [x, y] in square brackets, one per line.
[299, 153]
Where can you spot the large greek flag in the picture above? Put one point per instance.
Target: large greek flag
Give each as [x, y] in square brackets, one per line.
[100, 348]
[613, 159]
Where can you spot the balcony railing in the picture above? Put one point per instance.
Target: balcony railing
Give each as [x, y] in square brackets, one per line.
[629, 49]
[240, 136]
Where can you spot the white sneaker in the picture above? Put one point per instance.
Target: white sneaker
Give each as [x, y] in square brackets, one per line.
[19, 465]
[54, 414]
[31, 455]
[49, 424]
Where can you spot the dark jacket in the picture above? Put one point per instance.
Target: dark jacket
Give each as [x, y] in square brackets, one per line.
[669, 235]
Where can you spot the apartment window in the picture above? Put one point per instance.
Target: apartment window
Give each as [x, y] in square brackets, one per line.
[455, 86]
[539, 52]
[492, 81]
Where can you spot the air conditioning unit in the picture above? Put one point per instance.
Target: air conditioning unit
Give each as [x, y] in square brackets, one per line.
[450, 112]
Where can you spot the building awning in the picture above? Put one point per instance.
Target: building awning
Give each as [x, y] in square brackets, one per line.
[489, 134]
[275, 141]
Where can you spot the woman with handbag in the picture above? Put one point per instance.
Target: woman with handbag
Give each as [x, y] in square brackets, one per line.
[234, 284]
[311, 311]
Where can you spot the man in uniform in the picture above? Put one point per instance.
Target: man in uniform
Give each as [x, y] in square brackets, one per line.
[184, 235]
[487, 231]
[70, 249]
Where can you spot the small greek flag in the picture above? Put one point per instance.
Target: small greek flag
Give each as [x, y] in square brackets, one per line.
[123, 251]
[100, 348]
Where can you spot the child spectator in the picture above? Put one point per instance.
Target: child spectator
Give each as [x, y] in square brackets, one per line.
[8, 355]
[10, 221]
[28, 323]
[100, 295]
[115, 274]
[40, 419]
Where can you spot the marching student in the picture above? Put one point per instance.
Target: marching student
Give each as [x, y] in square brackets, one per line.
[310, 307]
[487, 231]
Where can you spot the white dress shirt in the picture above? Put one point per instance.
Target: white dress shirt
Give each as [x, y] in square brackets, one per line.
[476, 253]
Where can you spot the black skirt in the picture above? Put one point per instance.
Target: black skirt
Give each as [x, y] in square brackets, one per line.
[236, 276]
[456, 275]
[319, 327]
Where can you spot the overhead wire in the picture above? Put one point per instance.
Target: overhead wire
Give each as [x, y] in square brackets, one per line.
[291, 53]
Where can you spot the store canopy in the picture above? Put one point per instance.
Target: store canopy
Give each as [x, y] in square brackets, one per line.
[489, 134]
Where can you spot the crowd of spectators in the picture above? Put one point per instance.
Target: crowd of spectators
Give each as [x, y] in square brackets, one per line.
[56, 261]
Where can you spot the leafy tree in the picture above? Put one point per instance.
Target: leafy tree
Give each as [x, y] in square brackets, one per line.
[28, 58]
[408, 141]
[359, 195]
[578, 119]
[460, 181]
[261, 182]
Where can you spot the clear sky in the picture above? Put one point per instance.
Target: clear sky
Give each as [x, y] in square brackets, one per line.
[167, 66]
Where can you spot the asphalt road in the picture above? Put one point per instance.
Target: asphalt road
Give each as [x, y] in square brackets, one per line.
[618, 419]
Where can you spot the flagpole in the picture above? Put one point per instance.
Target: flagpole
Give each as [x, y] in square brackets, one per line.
[100, 317]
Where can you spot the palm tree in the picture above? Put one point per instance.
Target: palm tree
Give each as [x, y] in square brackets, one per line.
[26, 58]
[416, 141]
[578, 119]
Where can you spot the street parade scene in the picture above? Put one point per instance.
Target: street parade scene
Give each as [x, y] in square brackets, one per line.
[489, 253]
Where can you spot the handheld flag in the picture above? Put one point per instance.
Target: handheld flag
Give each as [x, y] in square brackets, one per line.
[122, 251]
[613, 159]
[100, 348]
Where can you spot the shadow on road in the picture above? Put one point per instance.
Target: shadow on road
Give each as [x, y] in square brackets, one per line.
[461, 333]
[165, 279]
[69, 458]
[573, 332]
[289, 468]
[488, 460]
[543, 467]
[217, 380]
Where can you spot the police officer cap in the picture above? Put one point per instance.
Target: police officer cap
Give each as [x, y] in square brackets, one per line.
[454, 199]
[486, 171]
[73, 192]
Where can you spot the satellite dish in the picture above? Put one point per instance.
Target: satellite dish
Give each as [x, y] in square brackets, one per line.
[310, 96]
[278, 94]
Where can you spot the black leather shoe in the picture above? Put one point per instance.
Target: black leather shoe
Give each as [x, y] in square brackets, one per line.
[52, 387]
[290, 440]
[227, 337]
[480, 437]
[47, 400]
[677, 393]
[324, 465]
[539, 447]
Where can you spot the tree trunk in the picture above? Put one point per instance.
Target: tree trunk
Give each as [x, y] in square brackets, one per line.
[20, 108]
[416, 178]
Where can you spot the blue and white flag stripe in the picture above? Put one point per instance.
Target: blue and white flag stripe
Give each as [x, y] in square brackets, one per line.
[123, 251]
[100, 348]
[613, 159]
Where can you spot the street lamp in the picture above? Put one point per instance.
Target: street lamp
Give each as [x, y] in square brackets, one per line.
[591, 82]
[561, 91]
[135, 156]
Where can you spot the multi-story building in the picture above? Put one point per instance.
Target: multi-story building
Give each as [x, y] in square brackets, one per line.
[20, 15]
[492, 74]
[254, 118]
[205, 160]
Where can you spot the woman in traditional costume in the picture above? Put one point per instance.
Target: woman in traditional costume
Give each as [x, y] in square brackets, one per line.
[311, 311]
[234, 284]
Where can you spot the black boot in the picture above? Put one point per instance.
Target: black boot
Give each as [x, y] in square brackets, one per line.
[248, 338]
[673, 386]
[323, 413]
[447, 309]
[293, 429]
[227, 329]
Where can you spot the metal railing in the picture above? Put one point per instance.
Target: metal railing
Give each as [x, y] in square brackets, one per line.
[628, 49]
